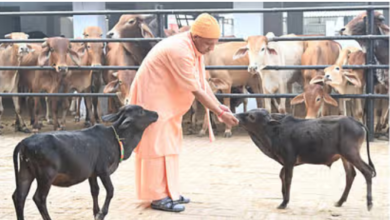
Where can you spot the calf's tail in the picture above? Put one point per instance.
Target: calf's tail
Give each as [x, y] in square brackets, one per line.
[16, 168]
[370, 163]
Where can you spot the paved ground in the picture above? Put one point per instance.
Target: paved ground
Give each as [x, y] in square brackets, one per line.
[229, 179]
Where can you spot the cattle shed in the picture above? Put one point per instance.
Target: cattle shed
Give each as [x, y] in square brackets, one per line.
[240, 25]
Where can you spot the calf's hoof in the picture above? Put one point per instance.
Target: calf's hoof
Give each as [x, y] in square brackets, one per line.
[35, 130]
[99, 216]
[76, 119]
[338, 204]
[369, 206]
[49, 122]
[283, 205]
[228, 134]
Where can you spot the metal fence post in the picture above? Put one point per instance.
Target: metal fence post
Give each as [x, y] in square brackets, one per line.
[370, 73]
[160, 23]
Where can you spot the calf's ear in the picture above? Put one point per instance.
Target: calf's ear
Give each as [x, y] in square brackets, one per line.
[329, 100]
[44, 56]
[240, 53]
[352, 78]
[113, 117]
[298, 99]
[319, 79]
[110, 117]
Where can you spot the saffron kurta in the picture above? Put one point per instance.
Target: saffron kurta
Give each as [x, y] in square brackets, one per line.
[164, 83]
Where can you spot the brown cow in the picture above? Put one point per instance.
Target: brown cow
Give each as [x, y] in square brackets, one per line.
[126, 53]
[121, 86]
[26, 79]
[314, 97]
[12, 55]
[91, 54]
[55, 52]
[348, 81]
[357, 26]
[317, 53]
[222, 55]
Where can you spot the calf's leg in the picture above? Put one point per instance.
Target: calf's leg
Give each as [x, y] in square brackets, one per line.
[24, 180]
[281, 175]
[366, 170]
[106, 180]
[286, 183]
[95, 194]
[350, 174]
[44, 185]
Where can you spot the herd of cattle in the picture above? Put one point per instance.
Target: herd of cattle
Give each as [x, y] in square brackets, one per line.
[257, 52]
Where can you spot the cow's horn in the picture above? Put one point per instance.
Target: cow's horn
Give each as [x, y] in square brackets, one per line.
[7, 36]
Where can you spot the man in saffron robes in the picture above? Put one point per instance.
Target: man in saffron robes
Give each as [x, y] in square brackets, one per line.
[171, 76]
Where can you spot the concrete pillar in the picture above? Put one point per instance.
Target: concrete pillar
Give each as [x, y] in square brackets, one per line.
[295, 23]
[273, 22]
[246, 25]
[82, 21]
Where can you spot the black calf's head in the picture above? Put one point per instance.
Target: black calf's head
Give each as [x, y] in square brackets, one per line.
[256, 120]
[131, 118]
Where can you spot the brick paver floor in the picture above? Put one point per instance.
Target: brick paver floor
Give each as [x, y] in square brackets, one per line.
[229, 179]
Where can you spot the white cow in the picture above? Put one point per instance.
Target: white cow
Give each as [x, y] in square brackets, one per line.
[264, 53]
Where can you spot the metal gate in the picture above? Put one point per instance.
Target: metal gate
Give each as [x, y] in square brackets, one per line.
[370, 60]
